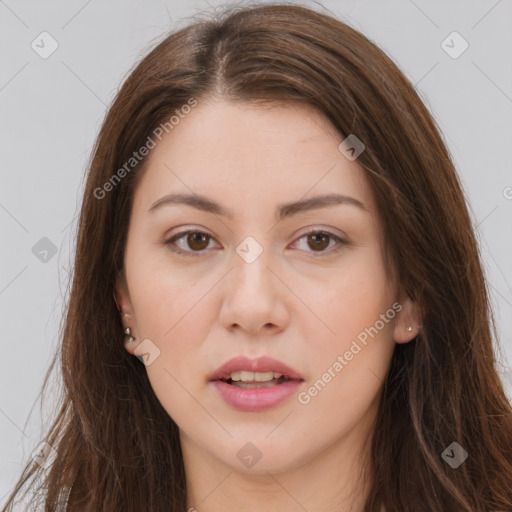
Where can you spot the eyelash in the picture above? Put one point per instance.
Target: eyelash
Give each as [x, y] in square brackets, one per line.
[169, 243]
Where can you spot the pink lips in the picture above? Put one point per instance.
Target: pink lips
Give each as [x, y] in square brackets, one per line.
[256, 399]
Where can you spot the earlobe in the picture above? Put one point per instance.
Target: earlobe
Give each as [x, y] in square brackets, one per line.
[130, 341]
[407, 323]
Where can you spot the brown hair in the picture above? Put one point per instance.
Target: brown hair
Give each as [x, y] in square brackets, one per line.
[442, 387]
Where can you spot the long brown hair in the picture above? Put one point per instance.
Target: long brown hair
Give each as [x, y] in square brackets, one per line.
[442, 387]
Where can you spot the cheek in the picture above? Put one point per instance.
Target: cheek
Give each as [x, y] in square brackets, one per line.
[349, 367]
[178, 324]
[173, 303]
[164, 293]
[350, 325]
[172, 311]
[353, 297]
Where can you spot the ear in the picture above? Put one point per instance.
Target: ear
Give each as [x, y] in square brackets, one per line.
[122, 298]
[408, 317]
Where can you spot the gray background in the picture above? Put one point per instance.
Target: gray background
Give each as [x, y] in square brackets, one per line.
[51, 111]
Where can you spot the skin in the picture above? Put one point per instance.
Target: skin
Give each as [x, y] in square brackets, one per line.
[291, 303]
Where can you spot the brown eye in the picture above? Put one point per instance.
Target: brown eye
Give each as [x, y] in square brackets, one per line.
[190, 242]
[319, 241]
[196, 240]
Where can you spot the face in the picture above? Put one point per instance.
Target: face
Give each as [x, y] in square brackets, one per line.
[201, 287]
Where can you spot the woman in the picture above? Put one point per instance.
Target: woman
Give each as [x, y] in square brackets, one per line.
[272, 221]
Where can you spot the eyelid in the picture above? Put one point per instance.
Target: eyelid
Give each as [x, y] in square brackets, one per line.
[322, 229]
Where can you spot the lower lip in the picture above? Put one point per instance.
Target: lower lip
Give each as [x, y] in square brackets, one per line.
[257, 399]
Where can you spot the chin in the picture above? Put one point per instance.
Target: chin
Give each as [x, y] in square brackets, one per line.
[256, 455]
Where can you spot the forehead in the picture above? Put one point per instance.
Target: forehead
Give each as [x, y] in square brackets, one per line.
[249, 155]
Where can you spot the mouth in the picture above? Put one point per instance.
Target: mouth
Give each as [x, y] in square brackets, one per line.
[255, 384]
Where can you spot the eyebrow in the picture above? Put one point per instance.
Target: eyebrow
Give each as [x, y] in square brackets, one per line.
[283, 211]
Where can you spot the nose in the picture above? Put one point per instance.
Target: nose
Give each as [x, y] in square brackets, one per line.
[254, 298]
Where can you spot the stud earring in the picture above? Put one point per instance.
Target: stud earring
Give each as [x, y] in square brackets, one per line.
[409, 329]
[129, 337]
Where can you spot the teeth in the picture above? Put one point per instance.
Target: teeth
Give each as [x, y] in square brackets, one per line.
[254, 376]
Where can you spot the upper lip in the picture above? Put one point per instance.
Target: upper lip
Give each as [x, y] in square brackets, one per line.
[261, 364]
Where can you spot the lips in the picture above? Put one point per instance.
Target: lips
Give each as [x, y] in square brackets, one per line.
[252, 384]
[260, 365]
